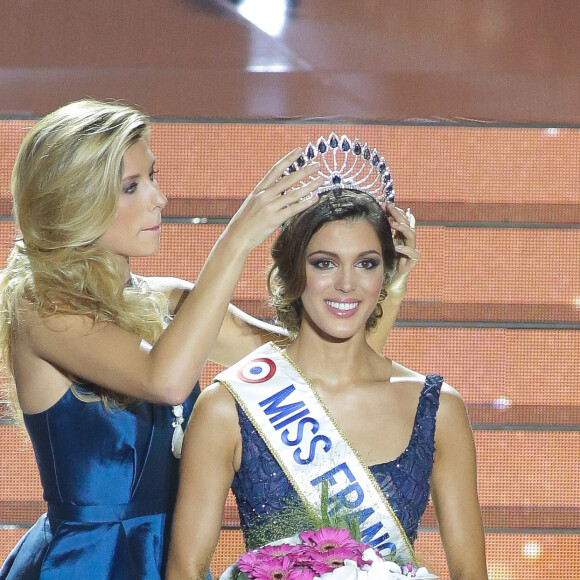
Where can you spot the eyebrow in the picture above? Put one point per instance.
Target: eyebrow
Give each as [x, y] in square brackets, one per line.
[131, 177]
[334, 255]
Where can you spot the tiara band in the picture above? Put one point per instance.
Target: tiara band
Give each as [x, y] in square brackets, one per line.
[349, 165]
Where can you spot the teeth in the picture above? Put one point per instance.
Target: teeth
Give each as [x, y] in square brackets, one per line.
[342, 305]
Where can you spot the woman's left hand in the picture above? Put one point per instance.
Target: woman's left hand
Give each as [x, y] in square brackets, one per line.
[404, 225]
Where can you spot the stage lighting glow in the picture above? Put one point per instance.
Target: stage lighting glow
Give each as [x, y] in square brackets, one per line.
[532, 550]
[502, 403]
[270, 16]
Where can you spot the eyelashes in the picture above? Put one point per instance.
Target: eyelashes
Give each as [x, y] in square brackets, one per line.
[132, 187]
[326, 264]
[322, 264]
[370, 264]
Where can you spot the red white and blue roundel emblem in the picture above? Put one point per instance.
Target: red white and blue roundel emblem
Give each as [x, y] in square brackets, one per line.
[258, 370]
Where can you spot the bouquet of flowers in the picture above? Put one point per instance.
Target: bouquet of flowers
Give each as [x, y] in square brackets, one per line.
[325, 554]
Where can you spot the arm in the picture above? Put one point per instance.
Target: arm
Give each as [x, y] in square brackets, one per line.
[454, 491]
[211, 445]
[241, 333]
[112, 357]
[405, 245]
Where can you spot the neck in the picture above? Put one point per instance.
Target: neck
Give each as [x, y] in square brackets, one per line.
[327, 359]
[123, 270]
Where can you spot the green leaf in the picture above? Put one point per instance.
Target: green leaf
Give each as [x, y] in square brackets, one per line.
[324, 504]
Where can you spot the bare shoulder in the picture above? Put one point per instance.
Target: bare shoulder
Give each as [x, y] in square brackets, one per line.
[449, 396]
[216, 404]
[39, 383]
[214, 427]
[451, 406]
[451, 403]
[31, 321]
[452, 426]
[402, 373]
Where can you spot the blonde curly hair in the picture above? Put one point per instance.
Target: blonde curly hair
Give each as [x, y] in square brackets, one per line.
[65, 186]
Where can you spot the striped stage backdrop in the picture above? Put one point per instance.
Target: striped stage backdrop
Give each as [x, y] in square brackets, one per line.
[493, 306]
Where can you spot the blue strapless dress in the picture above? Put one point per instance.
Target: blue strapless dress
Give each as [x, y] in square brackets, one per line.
[110, 481]
[269, 506]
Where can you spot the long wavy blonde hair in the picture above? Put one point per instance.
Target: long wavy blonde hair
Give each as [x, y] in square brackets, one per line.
[65, 185]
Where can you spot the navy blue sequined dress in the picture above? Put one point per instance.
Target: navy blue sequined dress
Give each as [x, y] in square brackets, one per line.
[110, 481]
[264, 494]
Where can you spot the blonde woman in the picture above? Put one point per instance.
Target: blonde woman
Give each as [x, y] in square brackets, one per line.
[104, 390]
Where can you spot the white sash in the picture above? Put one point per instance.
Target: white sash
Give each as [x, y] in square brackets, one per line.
[308, 445]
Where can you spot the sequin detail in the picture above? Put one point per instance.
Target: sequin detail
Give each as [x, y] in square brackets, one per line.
[265, 495]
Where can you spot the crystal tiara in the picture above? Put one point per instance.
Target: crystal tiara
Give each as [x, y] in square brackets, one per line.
[350, 165]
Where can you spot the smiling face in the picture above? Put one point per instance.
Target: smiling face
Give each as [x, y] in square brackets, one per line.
[136, 230]
[344, 278]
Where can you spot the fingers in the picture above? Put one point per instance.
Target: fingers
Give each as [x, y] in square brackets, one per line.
[398, 216]
[262, 212]
[411, 254]
[297, 199]
[278, 169]
[410, 218]
[275, 177]
[404, 225]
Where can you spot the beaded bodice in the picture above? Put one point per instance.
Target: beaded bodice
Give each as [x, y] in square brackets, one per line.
[270, 508]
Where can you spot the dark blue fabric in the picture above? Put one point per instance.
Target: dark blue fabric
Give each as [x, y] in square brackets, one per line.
[110, 481]
[265, 497]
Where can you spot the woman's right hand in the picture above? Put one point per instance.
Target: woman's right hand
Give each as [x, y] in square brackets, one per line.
[275, 199]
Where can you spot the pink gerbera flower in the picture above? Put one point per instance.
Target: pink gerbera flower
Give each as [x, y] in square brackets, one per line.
[277, 551]
[276, 569]
[327, 539]
[247, 561]
[327, 561]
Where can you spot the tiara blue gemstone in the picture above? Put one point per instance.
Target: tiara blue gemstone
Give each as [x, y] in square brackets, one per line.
[337, 171]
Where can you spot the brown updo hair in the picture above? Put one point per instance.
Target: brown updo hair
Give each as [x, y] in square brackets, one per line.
[287, 276]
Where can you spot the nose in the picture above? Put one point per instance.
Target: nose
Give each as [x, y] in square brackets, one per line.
[158, 200]
[344, 280]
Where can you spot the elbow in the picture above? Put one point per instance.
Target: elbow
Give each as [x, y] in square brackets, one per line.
[177, 395]
[170, 392]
